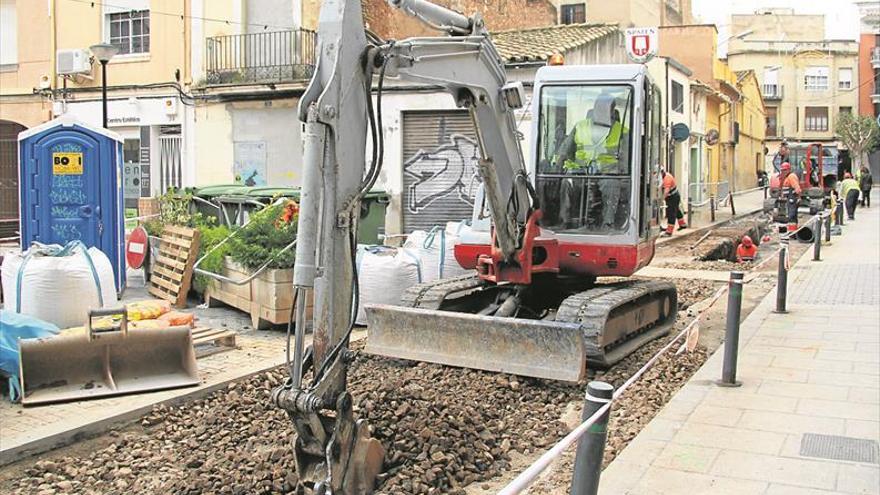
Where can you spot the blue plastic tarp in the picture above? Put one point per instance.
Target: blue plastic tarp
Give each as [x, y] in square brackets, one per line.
[15, 326]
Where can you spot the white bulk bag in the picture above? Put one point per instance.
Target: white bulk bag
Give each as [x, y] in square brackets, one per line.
[436, 252]
[58, 285]
[384, 273]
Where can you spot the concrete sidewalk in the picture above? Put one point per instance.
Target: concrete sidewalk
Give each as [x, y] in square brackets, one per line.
[807, 417]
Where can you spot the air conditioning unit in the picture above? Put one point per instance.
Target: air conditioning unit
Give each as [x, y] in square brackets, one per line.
[70, 62]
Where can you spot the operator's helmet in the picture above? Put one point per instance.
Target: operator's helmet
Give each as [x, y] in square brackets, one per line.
[786, 167]
[604, 112]
[747, 241]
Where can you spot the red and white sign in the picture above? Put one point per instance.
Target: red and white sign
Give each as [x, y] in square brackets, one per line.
[641, 43]
[136, 249]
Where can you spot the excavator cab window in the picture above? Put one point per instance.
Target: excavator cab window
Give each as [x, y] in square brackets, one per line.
[584, 146]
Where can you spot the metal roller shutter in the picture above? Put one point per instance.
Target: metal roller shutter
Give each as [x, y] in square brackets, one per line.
[440, 157]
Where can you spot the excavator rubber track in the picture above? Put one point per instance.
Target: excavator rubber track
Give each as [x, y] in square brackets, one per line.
[596, 327]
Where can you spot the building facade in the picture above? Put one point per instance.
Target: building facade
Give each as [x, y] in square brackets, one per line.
[727, 163]
[806, 81]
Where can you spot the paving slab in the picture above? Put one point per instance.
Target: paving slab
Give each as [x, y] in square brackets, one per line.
[813, 373]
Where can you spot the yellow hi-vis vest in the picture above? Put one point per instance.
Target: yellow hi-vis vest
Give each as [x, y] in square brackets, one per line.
[587, 151]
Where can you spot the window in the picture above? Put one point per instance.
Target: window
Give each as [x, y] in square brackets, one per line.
[845, 110]
[584, 158]
[677, 97]
[844, 78]
[130, 31]
[574, 13]
[816, 119]
[771, 122]
[816, 79]
[8, 33]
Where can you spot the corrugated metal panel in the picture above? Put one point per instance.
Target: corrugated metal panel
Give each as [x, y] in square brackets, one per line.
[440, 158]
[9, 177]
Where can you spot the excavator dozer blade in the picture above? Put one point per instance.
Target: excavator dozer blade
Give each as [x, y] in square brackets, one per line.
[73, 367]
[536, 348]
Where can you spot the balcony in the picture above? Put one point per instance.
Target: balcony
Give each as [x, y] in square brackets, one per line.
[771, 92]
[271, 57]
[875, 57]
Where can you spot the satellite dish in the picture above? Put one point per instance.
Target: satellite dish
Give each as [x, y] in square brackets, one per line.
[712, 137]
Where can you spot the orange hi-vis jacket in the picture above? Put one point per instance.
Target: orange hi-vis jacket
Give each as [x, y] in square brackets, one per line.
[669, 185]
[791, 181]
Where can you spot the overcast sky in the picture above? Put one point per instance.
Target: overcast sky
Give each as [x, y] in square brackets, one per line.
[841, 16]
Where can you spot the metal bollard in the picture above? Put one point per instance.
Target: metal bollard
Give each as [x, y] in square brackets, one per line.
[838, 214]
[782, 280]
[842, 213]
[731, 331]
[828, 227]
[591, 446]
[765, 191]
[712, 208]
[817, 239]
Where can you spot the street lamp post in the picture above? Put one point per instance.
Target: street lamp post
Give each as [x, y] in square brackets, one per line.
[104, 52]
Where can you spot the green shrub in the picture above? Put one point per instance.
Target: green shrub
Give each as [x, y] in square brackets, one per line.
[270, 230]
[210, 237]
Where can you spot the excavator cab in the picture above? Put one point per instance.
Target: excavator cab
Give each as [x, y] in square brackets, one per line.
[596, 157]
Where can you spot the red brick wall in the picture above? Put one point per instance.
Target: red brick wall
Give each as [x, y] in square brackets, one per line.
[500, 15]
[866, 73]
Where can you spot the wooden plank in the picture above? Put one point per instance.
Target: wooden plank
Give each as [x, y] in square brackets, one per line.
[164, 260]
[207, 341]
[168, 285]
[176, 242]
[168, 273]
[161, 293]
[181, 231]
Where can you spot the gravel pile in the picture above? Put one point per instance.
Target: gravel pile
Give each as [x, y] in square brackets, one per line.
[715, 266]
[442, 428]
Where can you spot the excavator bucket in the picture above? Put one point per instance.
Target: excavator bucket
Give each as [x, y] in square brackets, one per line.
[104, 363]
[538, 348]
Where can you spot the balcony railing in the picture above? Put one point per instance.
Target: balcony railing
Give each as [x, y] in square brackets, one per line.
[875, 57]
[276, 56]
[772, 91]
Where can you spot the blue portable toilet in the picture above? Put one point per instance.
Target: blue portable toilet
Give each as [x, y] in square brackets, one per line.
[70, 188]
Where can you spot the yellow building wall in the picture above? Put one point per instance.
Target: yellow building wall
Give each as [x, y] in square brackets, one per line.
[80, 25]
[750, 150]
[34, 60]
[713, 121]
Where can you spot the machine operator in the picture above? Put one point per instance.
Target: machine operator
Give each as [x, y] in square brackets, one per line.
[594, 147]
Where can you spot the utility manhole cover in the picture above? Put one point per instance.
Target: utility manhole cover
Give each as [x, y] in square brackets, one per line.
[840, 448]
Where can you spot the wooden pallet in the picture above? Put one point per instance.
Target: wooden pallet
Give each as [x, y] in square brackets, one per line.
[172, 271]
[207, 341]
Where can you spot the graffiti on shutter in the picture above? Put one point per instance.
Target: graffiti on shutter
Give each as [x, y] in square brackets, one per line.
[440, 156]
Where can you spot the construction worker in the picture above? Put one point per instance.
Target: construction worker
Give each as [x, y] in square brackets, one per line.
[594, 147]
[866, 182]
[747, 250]
[673, 203]
[791, 192]
[849, 191]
